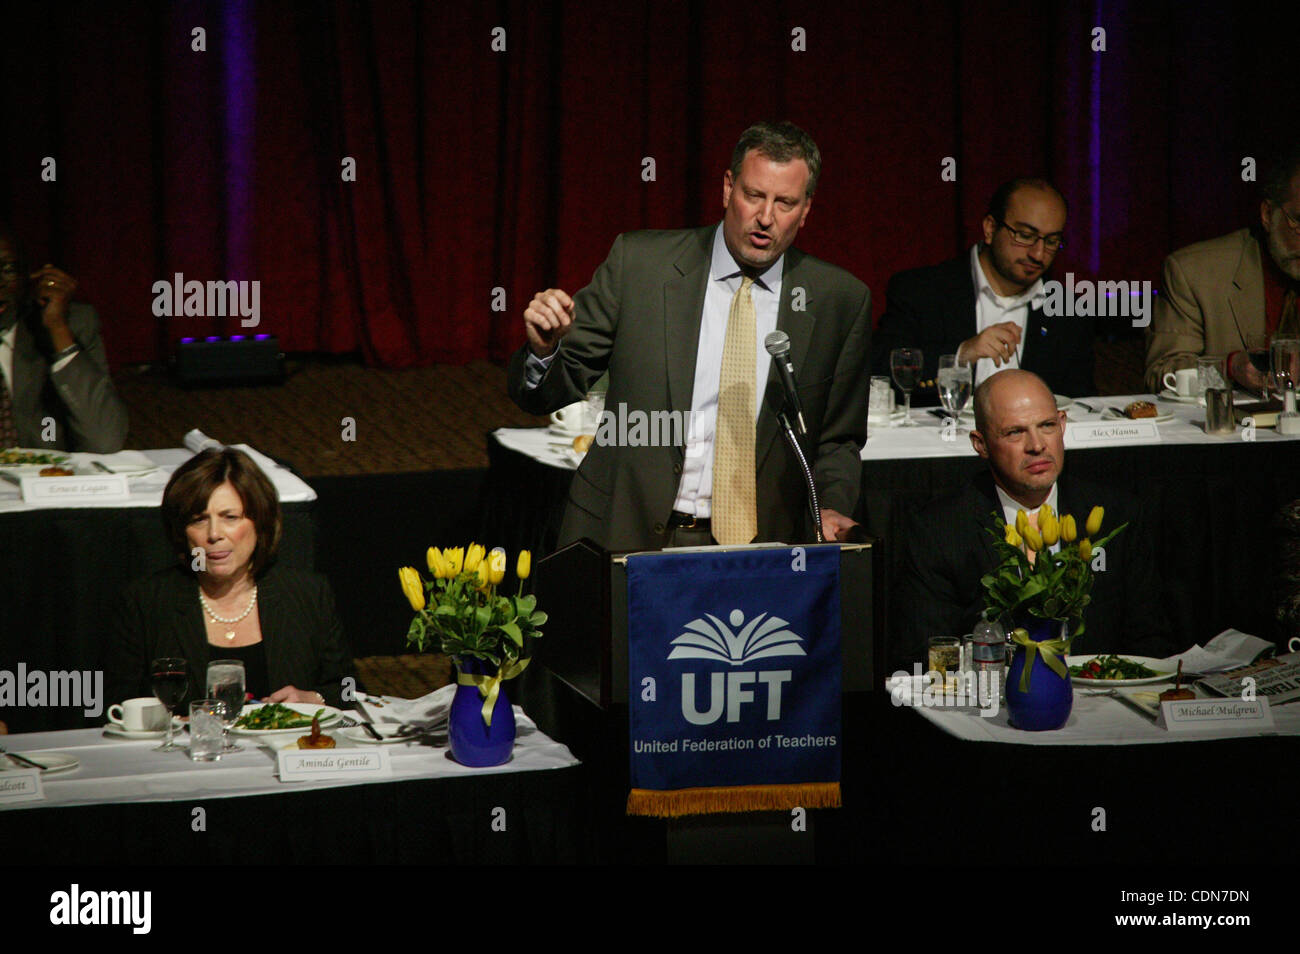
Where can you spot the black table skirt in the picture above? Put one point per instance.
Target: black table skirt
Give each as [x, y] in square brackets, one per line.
[1213, 505]
[62, 572]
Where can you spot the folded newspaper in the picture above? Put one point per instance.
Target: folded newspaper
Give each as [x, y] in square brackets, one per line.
[1277, 680]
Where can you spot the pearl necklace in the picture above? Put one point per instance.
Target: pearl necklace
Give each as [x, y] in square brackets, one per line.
[230, 633]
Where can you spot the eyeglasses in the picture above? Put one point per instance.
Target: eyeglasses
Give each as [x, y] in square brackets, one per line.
[1291, 220]
[1028, 239]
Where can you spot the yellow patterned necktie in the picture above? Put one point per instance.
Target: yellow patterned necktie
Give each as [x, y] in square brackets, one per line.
[735, 497]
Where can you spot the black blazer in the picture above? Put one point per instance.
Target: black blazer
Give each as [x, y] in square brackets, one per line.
[160, 615]
[933, 308]
[947, 550]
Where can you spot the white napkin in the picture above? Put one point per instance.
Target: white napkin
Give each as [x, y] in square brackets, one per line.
[1230, 649]
[196, 441]
[427, 712]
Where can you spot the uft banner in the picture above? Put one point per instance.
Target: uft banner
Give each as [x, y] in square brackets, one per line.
[734, 680]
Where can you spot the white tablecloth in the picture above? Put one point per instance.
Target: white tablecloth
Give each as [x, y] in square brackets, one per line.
[147, 491]
[117, 771]
[1094, 720]
[926, 439]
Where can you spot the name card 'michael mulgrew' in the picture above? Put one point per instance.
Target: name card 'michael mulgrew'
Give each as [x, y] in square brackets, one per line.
[70, 491]
[1106, 433]
[1208, 715]
[300, 765]
[21, 786]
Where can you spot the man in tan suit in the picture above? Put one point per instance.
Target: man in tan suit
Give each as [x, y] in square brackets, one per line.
[1217, 293]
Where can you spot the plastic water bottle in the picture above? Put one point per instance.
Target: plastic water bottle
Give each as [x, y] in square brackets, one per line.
[990, 657]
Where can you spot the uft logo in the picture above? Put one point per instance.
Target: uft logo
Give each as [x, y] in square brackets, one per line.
[710, 638]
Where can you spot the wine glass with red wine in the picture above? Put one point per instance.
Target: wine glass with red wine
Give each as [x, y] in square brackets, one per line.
[171, 684]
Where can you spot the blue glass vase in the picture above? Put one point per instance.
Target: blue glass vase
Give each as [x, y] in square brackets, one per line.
[473, 742]
[1050, 698]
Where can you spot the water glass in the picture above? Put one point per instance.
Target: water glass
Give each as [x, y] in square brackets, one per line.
[1284, 362]
[226, 683]
[945, 659]
[905, 365]
[206, 730]
[1211, 372]
[880, 401]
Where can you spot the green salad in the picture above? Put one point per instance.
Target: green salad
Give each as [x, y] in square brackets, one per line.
[1112, 667]
[276, 716]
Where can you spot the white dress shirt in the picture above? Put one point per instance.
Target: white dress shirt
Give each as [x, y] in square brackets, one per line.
[992, 309]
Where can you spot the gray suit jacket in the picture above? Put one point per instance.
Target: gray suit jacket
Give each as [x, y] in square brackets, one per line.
[640, 319]
[79, 397]
[1211, 298]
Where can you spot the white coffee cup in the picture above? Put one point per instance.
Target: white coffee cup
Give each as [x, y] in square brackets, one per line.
[571, 417]
[142, 714]
[1182, 382]
[1294, 644]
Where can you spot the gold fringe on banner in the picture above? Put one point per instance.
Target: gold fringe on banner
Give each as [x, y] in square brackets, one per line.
[743, 798]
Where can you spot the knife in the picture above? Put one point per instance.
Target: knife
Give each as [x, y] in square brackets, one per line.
[23, 760]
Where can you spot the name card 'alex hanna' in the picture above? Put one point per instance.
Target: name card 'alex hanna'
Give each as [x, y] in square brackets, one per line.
[72, 491]
[1208, 715]
[1107, 433]
[299, 765]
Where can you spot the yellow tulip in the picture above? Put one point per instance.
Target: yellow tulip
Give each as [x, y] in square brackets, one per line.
[1068, 530]
[1050, 528]
[482, 574]
[1034, 539]
[525, 565]
[455, 557]
[473, 557]
[1012, 537]
[1093, 526]
[437, 564]
[1085, 549]
[496, 563]
[412, 587]
[1022, 521]
[1044, 511]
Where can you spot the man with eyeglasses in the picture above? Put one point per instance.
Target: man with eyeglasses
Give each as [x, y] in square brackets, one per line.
[55, 391]
[986, 306]
[1217, 294]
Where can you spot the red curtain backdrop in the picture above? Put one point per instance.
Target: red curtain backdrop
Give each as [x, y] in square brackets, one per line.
[478, 169]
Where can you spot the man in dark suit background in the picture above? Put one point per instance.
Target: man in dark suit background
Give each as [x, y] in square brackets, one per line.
[1020, 432]
[986, 306]
[657, 314]
[53, 368]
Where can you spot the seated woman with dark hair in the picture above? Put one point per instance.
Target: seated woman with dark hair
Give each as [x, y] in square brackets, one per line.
[226, 598]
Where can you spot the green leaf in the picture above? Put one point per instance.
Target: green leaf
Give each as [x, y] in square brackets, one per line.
[511, 630]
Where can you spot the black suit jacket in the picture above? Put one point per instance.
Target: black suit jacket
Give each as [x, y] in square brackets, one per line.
[640, 319]
[948, 550]
[933, 308]
[161, 616]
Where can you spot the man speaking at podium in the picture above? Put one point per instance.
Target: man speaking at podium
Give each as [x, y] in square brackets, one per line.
[679, 319]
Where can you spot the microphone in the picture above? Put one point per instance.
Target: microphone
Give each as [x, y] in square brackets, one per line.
[778, 346]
